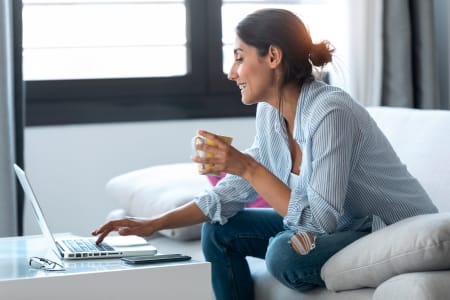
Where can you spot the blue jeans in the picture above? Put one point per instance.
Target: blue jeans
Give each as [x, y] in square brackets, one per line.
[259, 232]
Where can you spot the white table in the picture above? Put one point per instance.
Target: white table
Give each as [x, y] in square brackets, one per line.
[96, 278]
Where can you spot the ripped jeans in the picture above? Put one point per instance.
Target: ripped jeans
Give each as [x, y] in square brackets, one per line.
[295, 259]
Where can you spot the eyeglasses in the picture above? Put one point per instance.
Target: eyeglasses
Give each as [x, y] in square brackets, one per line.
[45, 264]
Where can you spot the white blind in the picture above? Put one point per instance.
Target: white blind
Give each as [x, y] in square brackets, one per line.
[82, 39]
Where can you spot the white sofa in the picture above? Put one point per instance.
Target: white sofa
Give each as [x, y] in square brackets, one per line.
[407, 260]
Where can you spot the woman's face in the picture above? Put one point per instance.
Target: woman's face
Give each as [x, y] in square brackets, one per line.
[252, 74]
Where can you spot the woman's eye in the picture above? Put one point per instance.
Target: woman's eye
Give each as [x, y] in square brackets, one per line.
[238, 59]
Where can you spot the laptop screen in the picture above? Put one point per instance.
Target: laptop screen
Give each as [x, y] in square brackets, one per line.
[29, 194]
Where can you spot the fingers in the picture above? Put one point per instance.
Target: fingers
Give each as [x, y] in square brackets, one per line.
[110, 226]
[102, 233]
[213, 137]
[124, 226]
[101, 237]
[217, 147]
[215, 157]
[214, 169]
[218, 154]
[211, 150]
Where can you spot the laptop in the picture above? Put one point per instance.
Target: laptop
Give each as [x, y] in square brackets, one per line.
[83, 248]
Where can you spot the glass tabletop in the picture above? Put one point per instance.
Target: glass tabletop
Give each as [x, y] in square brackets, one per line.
[15, 253]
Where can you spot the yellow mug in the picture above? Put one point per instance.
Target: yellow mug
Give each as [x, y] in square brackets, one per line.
[201, 140]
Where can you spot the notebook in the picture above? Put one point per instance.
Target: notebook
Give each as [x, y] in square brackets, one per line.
[82, 248]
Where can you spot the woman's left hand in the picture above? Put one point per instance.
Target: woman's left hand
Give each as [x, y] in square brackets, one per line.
[223, 157]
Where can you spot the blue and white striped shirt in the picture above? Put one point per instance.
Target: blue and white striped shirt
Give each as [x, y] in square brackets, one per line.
[349, 170]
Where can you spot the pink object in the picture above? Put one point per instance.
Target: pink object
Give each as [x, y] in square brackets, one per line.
[259, 201]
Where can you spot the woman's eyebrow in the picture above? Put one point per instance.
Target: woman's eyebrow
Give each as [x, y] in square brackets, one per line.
[236, 50]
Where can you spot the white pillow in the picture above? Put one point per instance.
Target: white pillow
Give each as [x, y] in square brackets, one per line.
[420, 243]
[155, 190]
[417, 285]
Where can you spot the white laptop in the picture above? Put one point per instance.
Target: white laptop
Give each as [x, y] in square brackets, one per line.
[82, 248]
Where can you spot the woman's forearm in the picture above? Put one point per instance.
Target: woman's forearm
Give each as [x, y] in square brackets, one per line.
[186, 215]
[268, 186]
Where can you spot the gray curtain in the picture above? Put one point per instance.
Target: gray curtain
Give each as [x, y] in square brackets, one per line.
[442, 25]
[410, 74]
[8, 192]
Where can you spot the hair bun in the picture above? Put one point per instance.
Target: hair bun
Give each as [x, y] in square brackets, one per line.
[321, 53]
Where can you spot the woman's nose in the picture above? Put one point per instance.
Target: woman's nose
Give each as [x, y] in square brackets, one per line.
[232, 75]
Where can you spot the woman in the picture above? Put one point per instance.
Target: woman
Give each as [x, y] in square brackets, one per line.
[318, 159]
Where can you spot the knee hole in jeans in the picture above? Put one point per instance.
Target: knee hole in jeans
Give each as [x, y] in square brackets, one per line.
[303, 242]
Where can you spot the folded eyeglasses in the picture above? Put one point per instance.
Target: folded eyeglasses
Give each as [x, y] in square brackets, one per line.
[45, 264]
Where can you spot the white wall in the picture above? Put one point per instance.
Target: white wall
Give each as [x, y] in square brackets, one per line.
[69, 165]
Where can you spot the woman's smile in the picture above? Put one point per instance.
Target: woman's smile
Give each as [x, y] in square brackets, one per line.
[242, 87]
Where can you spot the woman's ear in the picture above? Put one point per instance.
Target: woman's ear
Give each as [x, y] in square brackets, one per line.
[275, 56]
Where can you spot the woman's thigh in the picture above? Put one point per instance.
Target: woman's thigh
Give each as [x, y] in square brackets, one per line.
[297, 261]
[247, 233]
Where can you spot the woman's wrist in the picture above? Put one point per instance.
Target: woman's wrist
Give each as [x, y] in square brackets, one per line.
[250, 168]
[156, 224]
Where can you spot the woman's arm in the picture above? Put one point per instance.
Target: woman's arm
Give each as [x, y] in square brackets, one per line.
[268, 186]
[230, 160]
[188, 214]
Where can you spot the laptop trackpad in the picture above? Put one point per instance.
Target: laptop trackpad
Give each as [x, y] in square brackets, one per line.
[126, 241]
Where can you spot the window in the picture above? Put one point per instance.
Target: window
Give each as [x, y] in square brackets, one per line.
[88, 61]
[104, 39]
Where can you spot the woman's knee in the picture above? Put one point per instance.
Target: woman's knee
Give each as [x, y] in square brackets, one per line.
[209, 241]
[288, 261]
[275, 258]
[216, 239]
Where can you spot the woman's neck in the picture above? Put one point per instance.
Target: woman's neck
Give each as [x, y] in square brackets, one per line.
[289, 96]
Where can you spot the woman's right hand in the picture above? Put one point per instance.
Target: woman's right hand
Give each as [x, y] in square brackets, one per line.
[186, 215]
[126, 226]
[225, 158]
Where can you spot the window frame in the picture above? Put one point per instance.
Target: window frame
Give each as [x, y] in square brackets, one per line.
[204, 92]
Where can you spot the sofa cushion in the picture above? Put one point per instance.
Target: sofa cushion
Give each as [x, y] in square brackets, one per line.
[418, 285]
[420, 243]
[155, 190]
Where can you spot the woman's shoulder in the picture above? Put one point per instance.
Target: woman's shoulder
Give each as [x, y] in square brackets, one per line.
[320, 95]
[321, 99]
[265, 110]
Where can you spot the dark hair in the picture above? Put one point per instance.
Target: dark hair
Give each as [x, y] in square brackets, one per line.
[285, 30]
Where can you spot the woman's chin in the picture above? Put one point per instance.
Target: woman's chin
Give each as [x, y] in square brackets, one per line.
[246, 101]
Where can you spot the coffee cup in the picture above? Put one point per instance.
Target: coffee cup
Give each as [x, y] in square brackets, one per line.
[201, 140]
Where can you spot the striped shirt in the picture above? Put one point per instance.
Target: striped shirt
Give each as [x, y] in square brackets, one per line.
[349, 170]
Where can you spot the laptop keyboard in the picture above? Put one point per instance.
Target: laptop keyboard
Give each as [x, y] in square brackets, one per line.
[86, 246]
